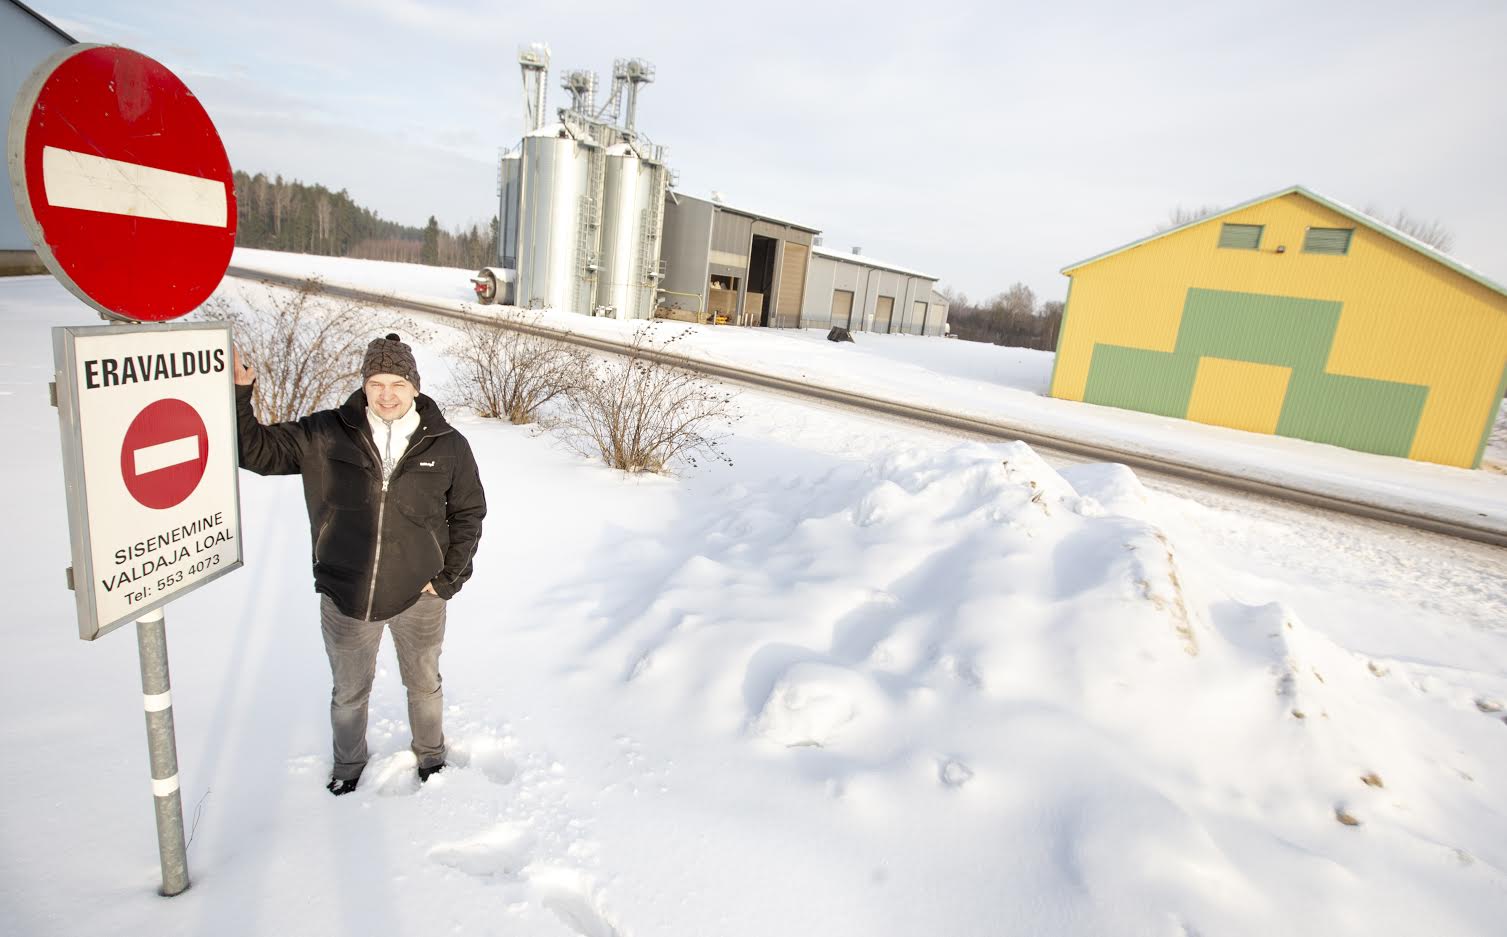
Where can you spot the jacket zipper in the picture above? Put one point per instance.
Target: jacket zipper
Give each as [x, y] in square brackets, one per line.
[371, 591]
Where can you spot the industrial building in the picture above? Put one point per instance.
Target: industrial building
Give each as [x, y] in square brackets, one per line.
[26, 40]
[590, 222]
[748, 268]
[857, 293]
[736, 265]
[1294, 315]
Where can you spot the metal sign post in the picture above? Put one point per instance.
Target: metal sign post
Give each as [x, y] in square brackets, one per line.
[122, 183]
[157, 699]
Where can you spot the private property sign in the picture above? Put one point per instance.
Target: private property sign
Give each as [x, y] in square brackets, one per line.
[149, 446]
[123, 185]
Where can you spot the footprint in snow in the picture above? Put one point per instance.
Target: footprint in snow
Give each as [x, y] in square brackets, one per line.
[571, 896]
[307, 764]
[501, 852]
[953, 773]
[505, 854]
[485, 754]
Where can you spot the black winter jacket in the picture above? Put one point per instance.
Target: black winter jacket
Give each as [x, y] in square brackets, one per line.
[375, 548]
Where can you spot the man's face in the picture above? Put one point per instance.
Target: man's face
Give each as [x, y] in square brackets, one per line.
[389, 395]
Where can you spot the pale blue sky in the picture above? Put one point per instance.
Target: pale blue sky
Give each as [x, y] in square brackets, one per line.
[982, 142]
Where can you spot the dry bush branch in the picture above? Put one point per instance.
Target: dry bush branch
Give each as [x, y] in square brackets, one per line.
[305, 343]
[641, 415]
[502, 373]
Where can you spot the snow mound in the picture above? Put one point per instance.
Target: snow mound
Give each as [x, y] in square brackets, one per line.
[1016, 634]
[921, 576]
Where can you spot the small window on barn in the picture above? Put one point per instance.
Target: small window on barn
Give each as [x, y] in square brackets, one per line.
[1327, 240]
[1241, 236]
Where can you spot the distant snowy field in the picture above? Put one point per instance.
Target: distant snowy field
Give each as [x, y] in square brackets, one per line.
[866, 681]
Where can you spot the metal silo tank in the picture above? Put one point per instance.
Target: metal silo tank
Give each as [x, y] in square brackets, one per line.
[632, 224]
[620, 229]
[653, 177]
[558, 224]
[509, 178]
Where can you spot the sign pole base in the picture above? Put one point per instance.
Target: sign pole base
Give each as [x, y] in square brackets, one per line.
[157, 699]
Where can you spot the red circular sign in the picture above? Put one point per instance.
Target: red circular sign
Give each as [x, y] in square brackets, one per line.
[125, 188]
[164, 454]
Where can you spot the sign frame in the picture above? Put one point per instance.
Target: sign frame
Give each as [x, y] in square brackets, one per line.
[65, 369]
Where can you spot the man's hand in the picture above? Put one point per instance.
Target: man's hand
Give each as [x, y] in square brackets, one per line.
[429, 588]
[245, 374]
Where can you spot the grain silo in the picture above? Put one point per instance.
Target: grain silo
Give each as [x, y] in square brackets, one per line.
[581, 198]
[632, 222]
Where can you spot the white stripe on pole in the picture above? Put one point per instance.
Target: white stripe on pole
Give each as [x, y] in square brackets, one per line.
[167, 454]
[157, 702]
[165, 786]
[94, 183]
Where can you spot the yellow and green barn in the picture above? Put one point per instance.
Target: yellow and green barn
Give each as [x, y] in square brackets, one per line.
[1294, 315]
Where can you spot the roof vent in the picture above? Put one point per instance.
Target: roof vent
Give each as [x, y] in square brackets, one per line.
[717, 197]
[858, 250]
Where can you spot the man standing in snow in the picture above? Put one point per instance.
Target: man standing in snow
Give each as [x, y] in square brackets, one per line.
[395, 509]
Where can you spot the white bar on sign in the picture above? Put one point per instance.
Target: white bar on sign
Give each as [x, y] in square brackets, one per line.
[94, 183]
[167, 454]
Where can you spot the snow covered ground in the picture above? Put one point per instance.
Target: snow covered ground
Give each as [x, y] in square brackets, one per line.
[1005, 384]
[1495, 457]
[867, 681]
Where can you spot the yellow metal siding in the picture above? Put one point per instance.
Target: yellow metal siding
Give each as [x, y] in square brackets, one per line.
[1239, 393]
[1405, 318]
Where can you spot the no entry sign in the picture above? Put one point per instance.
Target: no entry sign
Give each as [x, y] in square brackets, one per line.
[164, 454]
[122, 182]
[150, 458]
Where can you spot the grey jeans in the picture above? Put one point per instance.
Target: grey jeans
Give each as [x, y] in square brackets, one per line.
[352, 646]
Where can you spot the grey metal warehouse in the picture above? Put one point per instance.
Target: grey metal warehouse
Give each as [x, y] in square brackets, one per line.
[745, 267]
[865, 295]
[26, 39]
[749, 268]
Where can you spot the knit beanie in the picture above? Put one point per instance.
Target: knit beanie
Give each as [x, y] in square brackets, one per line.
[390, 356]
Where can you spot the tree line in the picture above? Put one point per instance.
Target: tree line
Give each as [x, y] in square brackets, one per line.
[1010, 318]
[287, 215]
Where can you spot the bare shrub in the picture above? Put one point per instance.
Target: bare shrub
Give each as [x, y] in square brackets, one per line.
[1433, 233]
[305, 343]
[503, 373]
[1180, 216]
[640, 414]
